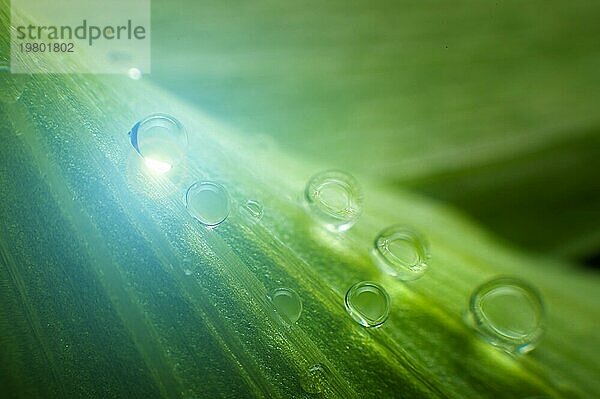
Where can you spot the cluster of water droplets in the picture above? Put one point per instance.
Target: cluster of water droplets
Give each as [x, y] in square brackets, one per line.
[506, 312]
[334, 200]
[161, 141]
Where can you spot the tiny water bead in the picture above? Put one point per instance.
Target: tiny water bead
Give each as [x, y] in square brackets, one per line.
[334, 199]
[287, 303]
[161, 140]
[368, 304]
[401, 252]
[208, 202]
[134, 73]
[315, 379]
[508, 313]
[252, 209]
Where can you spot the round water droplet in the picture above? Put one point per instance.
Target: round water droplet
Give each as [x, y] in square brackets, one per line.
[208, 203]
[368, 304]
[134, 73]
[161, 140]
[252, 209]
[401, 252]
[334, 199]
[508, 313]
[316, 379]
[287, 303]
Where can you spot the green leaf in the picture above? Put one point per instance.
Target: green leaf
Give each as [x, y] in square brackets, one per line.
[110, 289]
[98, 300]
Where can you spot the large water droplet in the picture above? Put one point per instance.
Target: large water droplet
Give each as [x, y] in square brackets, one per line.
[316, 379]
[208, 202]
[334, 199]
[252, 209]
[368, 303]
[401, 252]
[287, 303]
[508, 313]
[161, 140]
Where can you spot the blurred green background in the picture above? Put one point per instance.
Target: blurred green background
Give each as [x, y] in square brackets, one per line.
[490, 105]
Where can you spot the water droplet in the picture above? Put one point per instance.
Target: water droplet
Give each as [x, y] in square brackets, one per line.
[316, 379]
[401, 252]
[508, 313]
[208, 202]
[287, 303]
[134, 73]
[368, 304]
[334, 199]
[252, 209]
[161, 140]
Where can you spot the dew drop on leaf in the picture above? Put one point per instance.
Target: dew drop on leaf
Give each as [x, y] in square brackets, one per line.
[508, 313]
[401, 252]
[161, 140]
[208, 202]
[368, 304]
[287, 303]
[334, 199]
[252, 209]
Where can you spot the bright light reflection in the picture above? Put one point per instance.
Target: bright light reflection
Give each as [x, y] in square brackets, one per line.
[157, 166]
[134, 73]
